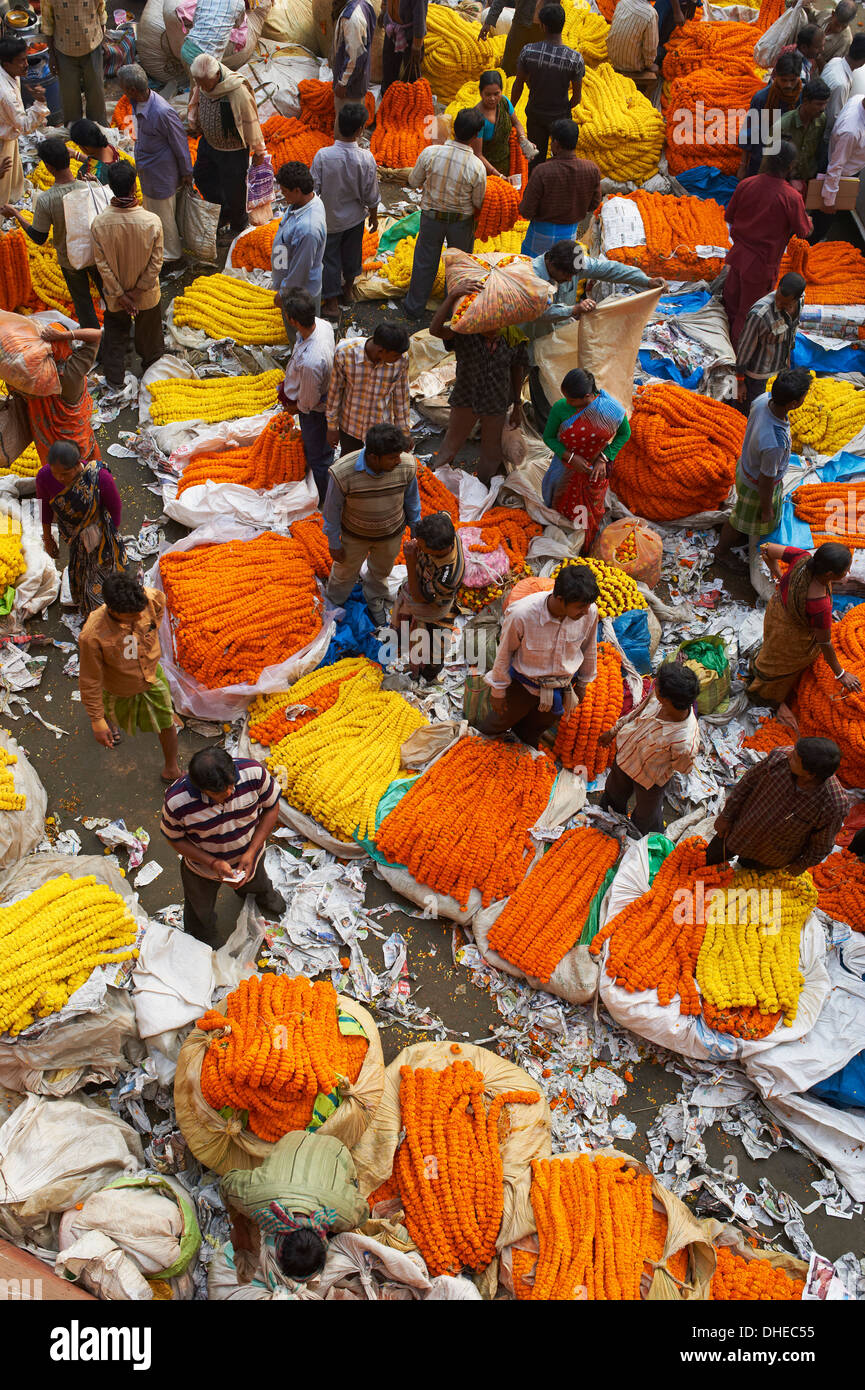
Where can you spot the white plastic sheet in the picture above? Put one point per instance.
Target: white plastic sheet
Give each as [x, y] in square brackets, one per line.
[273, 510]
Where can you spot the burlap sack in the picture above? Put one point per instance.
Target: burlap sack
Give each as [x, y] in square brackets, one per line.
[719, 1233]
[574, 979]
[605, 343]
[221, 1144]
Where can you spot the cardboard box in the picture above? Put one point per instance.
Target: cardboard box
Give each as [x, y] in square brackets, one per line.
[848, 192]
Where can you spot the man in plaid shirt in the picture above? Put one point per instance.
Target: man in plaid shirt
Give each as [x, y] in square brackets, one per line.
[767, 337]
[75, 30]
[368, 386]
[554, 75]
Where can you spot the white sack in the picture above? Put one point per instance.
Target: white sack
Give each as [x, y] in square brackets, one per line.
[21, 831]
[273, 510]
[837, 1137]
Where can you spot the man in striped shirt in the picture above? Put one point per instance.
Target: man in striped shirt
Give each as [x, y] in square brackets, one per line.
[553, 73]
[632, 42]
[218, 818]
[767, 338]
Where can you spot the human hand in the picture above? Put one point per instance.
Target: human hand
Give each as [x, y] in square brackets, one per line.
[486, 30]
[5, 165]
[741, 390]
[850, 682]
[599, 468]
[577, 461]
[333, 435]
[722, 825]
[127, 303]
[245, 864]
[657, 282]
[372, 220]
[259, 157]
[102, 733]
[585, 306]
[337, 554]
[222, 867]
[277, 299]
[186, 181]
[7, 210]
[498, 702]
[515, 418]
[606, 739]
[50, 333]
[38, 93]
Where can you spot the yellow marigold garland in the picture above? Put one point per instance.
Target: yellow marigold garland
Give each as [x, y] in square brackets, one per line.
[397, 268]
[829, 417]
[10, 800]
[12, 563]
[225, 306]
[618, 591]
[620, 129]
[213, 398]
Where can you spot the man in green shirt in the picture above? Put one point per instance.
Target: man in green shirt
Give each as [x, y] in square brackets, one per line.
[804, 127]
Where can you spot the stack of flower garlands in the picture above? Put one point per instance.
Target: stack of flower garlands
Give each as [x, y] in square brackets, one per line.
[509, 527]
[834, 271]
[831, 510]
[279, 1047]
[317, 107]
[32, 275]
[10, 800]
[12, 562]
[696, 138]
[587, 33]
[681, 456]
[269, 720]
[309, 534]
[499, 211]
[16, 288]
[26, 465]
[397, 267]
[840, 884]
[544, 918]
[276, 457]
[719, 46]
[53, 939]
[239, 606]
[576, 744]
[453, 53]
[287, 139]
[226, 306]
[770, 733]
[832, 413]
[824, 712]
[619, 128]
[337, 766]
[213, 398]
[674, 227]
[746, 1280]
[507, 243]
[448, 1167]
[465, 822]
[403, 124]
[253, 250]
[618, 591]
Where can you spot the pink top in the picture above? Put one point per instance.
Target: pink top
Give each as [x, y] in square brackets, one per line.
[47, 488]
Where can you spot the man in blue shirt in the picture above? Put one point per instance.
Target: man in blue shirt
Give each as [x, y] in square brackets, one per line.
[298, 248]
[161, 153]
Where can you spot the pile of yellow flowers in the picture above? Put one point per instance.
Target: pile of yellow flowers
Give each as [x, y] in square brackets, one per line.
[619, 127]
[47, 277]
[12, 564]
[52, 940]
[750, 952]
[213, 398]
[223, 306]
[10, 800]
[397, 269]
[618, 591]
[511, 243]
[453, 54]
[587, 33]
[42, 178]
[26, 465]
[829, 417]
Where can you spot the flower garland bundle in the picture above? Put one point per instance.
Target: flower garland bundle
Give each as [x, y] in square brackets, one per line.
[509, 527]
[477, 599]
[465, 822]
[448, 1167]
[830, 509]
[403, 124]
[681, 456]
[26, 465]
[16, 288]
[369, 249]
[338, 766]
[619, 127]
[239, 606]
[224, 306]
[721, 46]
[10, 800]
[675, 1264]
[213, 398]
[453, 52]
[254, 249]
[674, 227]
[742, 1022]
[123, 117]
[52, 940]
[269, 722]
[276, 457]
[654, 943]
[576, 744]
[587, 33]
[12, 562]
[310, 536]
[397, 268]
[593, 1215]
[834, 271]
[47, 285]
[618, 591]
[750, 951]
[840, 884]
[499, 211]
[506, 243]
[289, 139]
[770, 733]
[317, 107]
[694, 138]
[751, 1280]
[832, 413]
[279, 1048]
[543, 919]
[823, 712]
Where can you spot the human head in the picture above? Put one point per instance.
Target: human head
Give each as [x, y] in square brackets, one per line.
[299, 307]
[301, 1254]
[815, 95]
[467, 125]
[856, 56]
[552, 18]
[816, 758]
[206, 71]
[88, 136]
[564, 135]
[676, 685]
[212, 770]
[831, 561]
[54, 154]
[810, 40]
[13, 56]
[790, 289]
[790, 388]
[575, 588]
[559, 261]
[490, 86]
[788, 74]
[388, 343]
[578, 387]
[132, 80]
[64, 459]
[436, 533]
[295, 180]
[384, 444]
[121, 178]
[352, 119]
[782, 161]
[843, 14]
[123, 596]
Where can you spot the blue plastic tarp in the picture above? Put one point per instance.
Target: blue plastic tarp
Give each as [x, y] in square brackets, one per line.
[355, 633]
[632, 631]
[685, 303]
[844, 358]
[666, 370]
[707, 182]
[846, 1089]
[842, 466]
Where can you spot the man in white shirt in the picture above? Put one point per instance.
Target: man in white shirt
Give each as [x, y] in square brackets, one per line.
[846, 148]
[14, 120]
[838, 76]
[307, 377]
[632, 42]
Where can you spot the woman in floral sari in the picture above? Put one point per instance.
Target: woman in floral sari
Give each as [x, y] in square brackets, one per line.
[499, 119]
[82, 498]
[585, 430]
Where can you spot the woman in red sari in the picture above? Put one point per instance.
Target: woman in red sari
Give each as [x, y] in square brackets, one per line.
[585, 430]
[70, 414]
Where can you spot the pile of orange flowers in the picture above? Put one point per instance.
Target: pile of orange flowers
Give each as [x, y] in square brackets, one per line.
[720, 45]
[682, 454]
[288, 139]
[310, 536]
[751, 1280]
[770, 733]
[500, 209]
[834, 271]
[824, 711]
[279, 1047]
[465, 823]
[830, 509]
[369, 250]
[840, 884]
[741, 1020]
[402, 124]
[276, 457]
[576, 744]
[517, 162]
[254, 249]
[674, 227]
[448, 1168]
[239, 606]
[16, 287]
[675, 1264]
[543, 919]
[317, 108]
[653, 946]
[727, 89]
[509, 527]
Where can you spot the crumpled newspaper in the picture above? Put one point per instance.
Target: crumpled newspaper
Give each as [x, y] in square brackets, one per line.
[114, 833]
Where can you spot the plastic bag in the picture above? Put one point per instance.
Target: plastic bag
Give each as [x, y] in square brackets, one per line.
[779, 34]
[273, 510]
[633, 547]
[259, 192]
[85, 202]
[197, 222]
[482, 567]
[26, 362]
[21, 831]
[508, 290]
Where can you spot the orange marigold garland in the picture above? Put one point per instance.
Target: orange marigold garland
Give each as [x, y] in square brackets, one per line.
[823, 712]
[726, 89]
[276, 457]
[288, 139]
[254, 249]
[509, 527]
[500, 209]
[402, 124]
[543, 919]
[465, 822]
[675, 1264]
[770, 733]
[834, 271]
[310, 536]
[749, 1280]
[840, 884]
[674, 227]
[315, 692]
[16, 286]
[741, 1021]
[722, 46]
[576, 744]
[830, 509]
[281, 1047]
